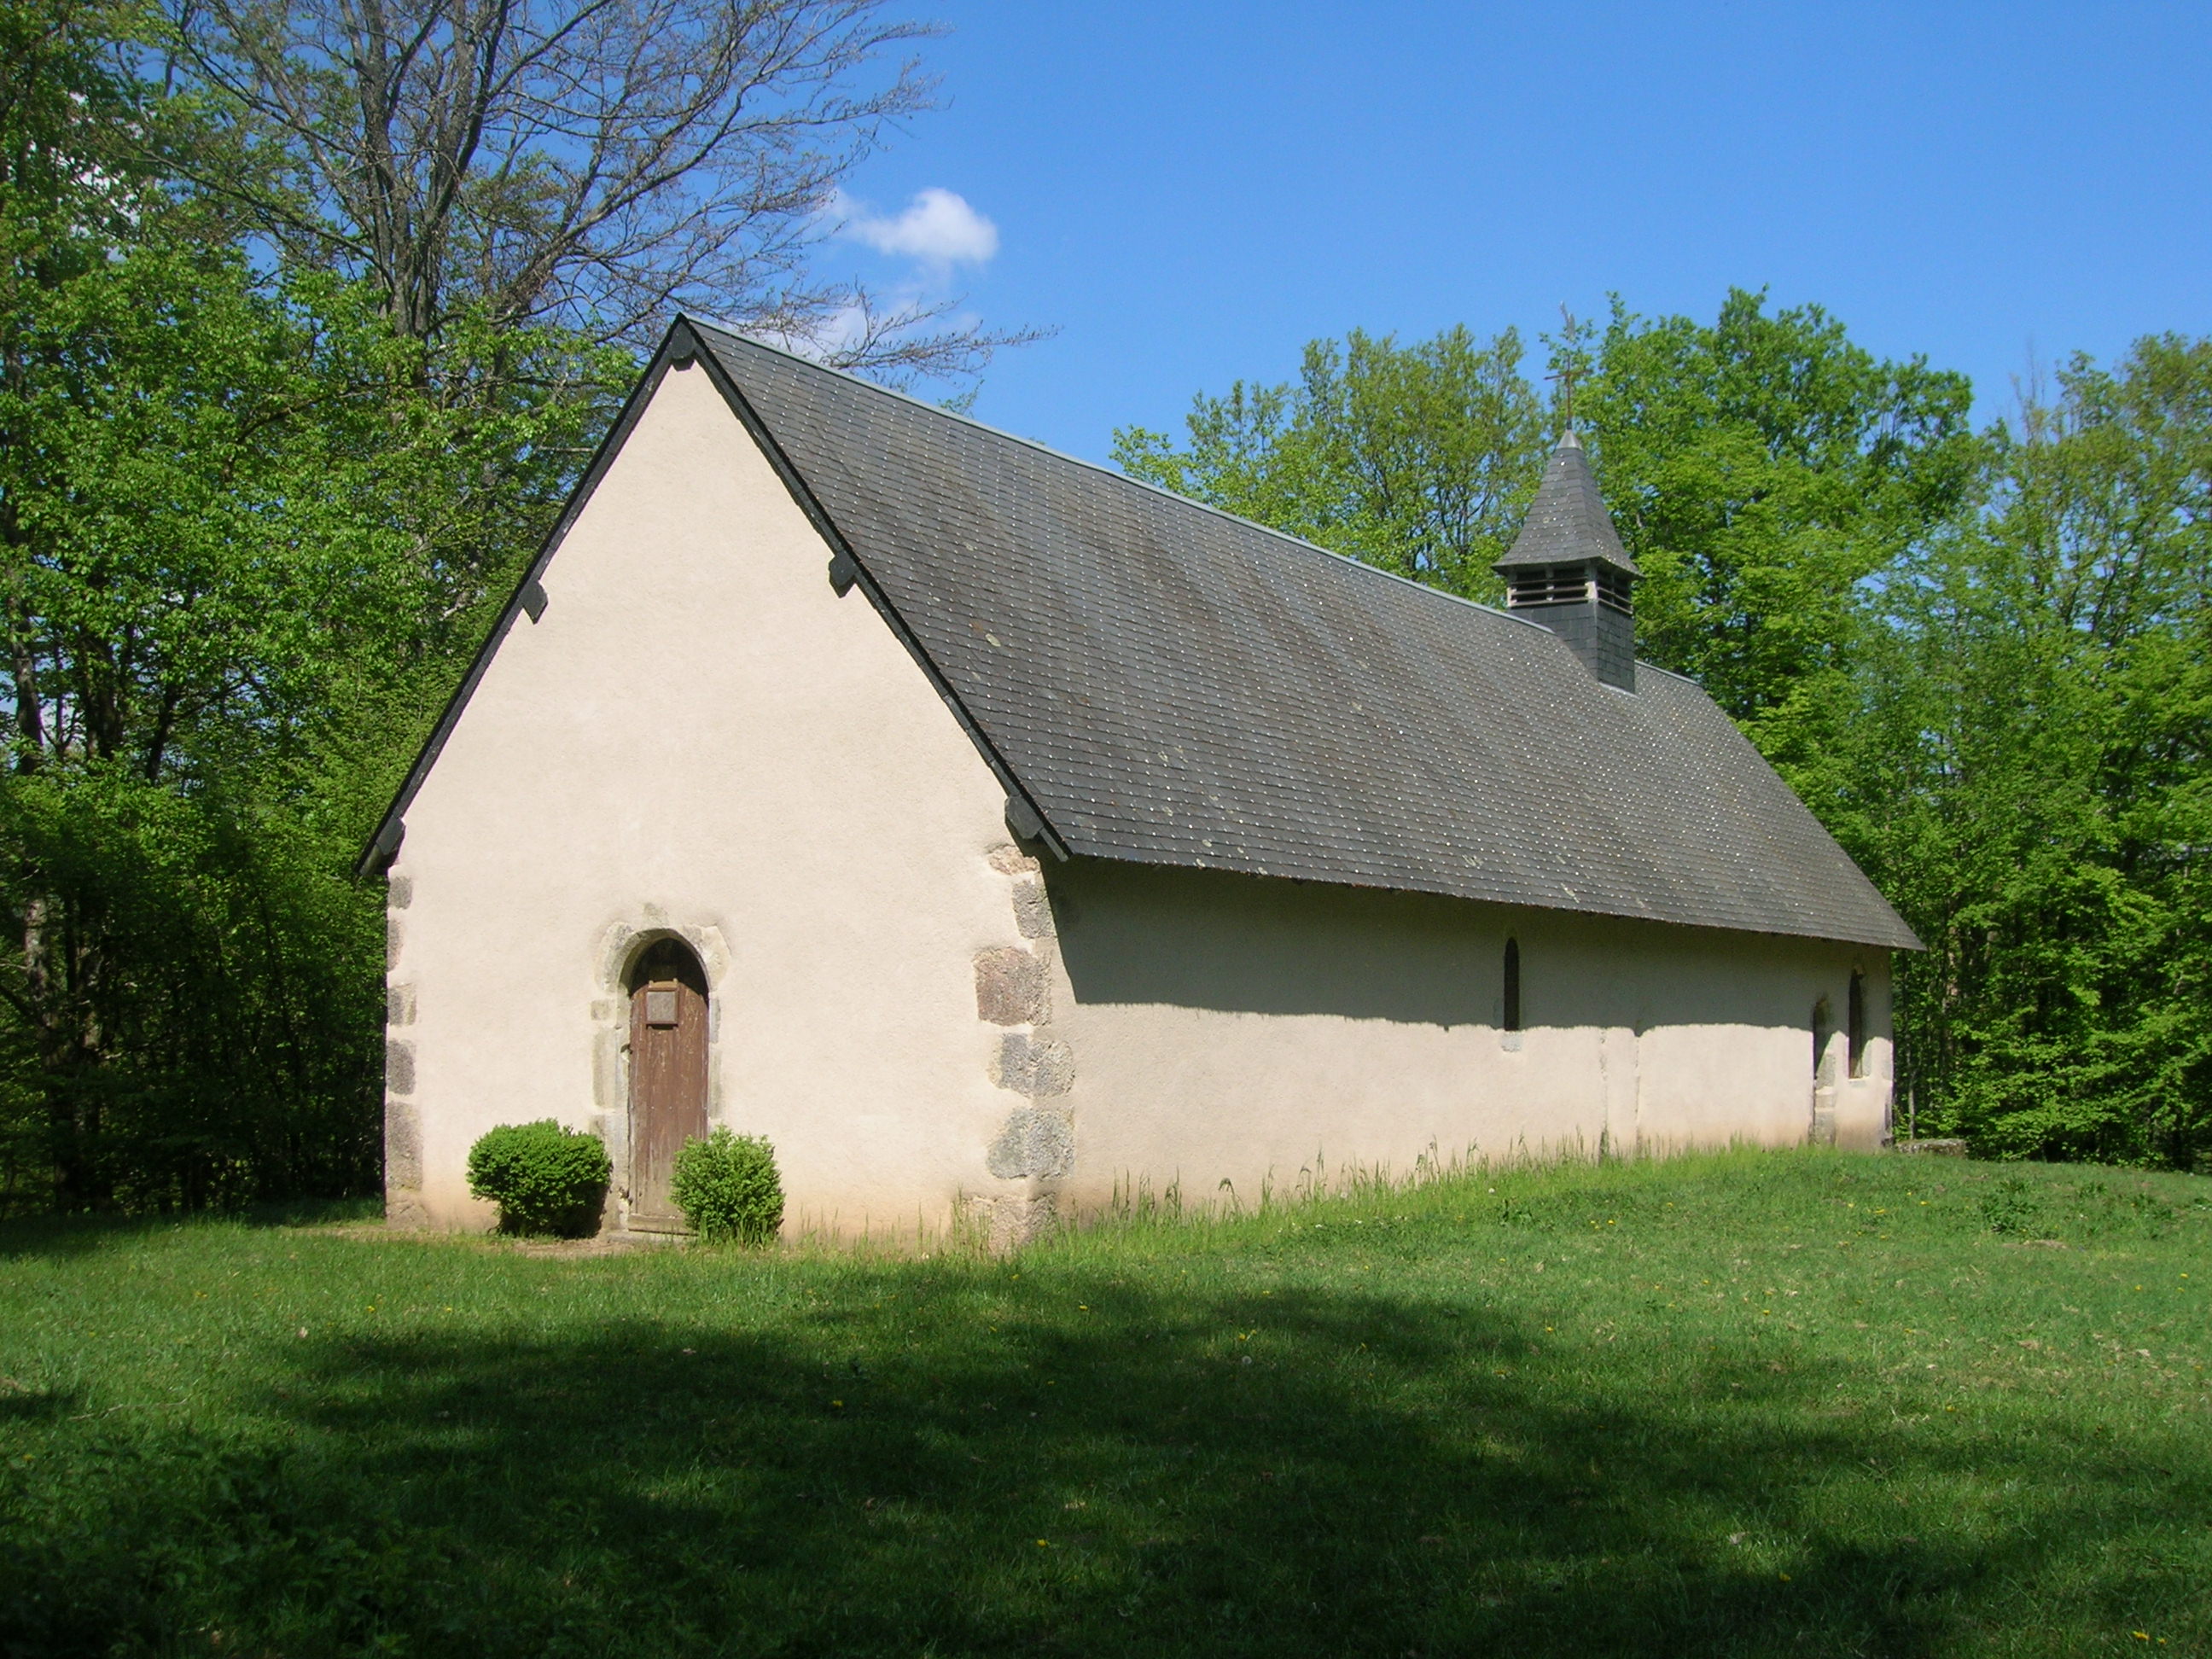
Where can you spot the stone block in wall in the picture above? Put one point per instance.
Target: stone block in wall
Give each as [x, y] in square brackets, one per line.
[1010, 987]
[395, 935]
[1037, 1141]
[403, 1147]
[610, 1071]
[1032, 908]
[1009, 860]
[1009, 1222]
[399, 1005]
[404, 1210]
[1862, 1116]
[1824, 1116]
[398, 892]
[1033, 1065]
[398, 1068]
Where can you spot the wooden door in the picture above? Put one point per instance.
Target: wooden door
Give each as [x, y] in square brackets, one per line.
[667, 1075]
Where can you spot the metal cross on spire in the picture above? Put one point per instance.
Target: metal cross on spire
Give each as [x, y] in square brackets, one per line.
[1566, 372]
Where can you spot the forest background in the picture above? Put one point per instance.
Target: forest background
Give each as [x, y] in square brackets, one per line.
[313, 312]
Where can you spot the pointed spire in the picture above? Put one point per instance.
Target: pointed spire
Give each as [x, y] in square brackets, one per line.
[1567, 523]
[1568, 571]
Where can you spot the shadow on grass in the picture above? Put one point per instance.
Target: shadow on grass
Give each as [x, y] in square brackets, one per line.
[24, 1236]
[312, 1212]
[22, 1404]
[86, 1235]
[1126, 1471]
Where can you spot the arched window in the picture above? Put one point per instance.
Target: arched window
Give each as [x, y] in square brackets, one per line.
[1855, 1026]
[1512, 1020]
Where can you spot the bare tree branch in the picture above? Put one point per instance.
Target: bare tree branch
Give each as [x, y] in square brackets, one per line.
[595, 163]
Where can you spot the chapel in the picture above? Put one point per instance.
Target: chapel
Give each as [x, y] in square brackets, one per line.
[999, 836]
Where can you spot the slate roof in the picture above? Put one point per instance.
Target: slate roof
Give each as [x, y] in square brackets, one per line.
[1170, 684]
[1567, 522]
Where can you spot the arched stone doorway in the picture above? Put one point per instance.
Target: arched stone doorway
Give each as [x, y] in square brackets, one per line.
[667, 1074]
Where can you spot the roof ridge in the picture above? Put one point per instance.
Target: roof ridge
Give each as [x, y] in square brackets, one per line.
[1104, 470]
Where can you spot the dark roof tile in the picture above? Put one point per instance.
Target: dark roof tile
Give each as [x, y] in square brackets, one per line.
[1174, 685]
[1567, 523]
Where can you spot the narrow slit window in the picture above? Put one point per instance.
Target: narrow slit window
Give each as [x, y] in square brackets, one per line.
[1512, 985]
[1855, 1026]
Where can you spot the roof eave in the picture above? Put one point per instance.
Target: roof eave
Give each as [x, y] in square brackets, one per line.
[1899, 938]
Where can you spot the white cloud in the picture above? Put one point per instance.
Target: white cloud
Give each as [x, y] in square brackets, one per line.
[841, 330]
[938, 228]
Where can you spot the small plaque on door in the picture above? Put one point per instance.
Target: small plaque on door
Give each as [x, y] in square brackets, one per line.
[659, 1006]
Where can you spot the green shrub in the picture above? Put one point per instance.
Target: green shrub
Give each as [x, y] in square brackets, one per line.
[545, 1179]
[727, 1187]
[2009, 1206]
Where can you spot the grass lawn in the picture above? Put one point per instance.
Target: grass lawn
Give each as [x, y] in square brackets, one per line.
[1759, 1403]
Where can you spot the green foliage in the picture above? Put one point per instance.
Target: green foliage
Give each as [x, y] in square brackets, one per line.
[229, 1036]
[2025, 771]
[1758, 469]
[2008, 1205]
[246, 554]
[545, 1179]
[727, 1187]
[248, 535]
[1803, 1404]
[1418, 459]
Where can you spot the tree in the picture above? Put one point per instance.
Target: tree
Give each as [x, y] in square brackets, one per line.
[2026, 774]
[1418, 459]
[243, 537]
[233, 555]
[586, 163]
[1759, 469]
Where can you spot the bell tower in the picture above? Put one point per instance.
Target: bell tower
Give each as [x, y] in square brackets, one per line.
[1569, 571]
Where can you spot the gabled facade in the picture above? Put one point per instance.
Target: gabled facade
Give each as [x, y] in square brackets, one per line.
[992, 833]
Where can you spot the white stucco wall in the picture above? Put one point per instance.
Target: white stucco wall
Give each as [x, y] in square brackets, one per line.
[701, 738]
[1225, 1027]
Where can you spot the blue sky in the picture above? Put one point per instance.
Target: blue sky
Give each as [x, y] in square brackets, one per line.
[1191, 191]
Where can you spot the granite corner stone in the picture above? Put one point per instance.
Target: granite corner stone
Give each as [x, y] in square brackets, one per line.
[1010, 987]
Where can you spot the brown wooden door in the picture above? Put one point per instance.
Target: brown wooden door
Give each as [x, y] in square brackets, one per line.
[667, 1074]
